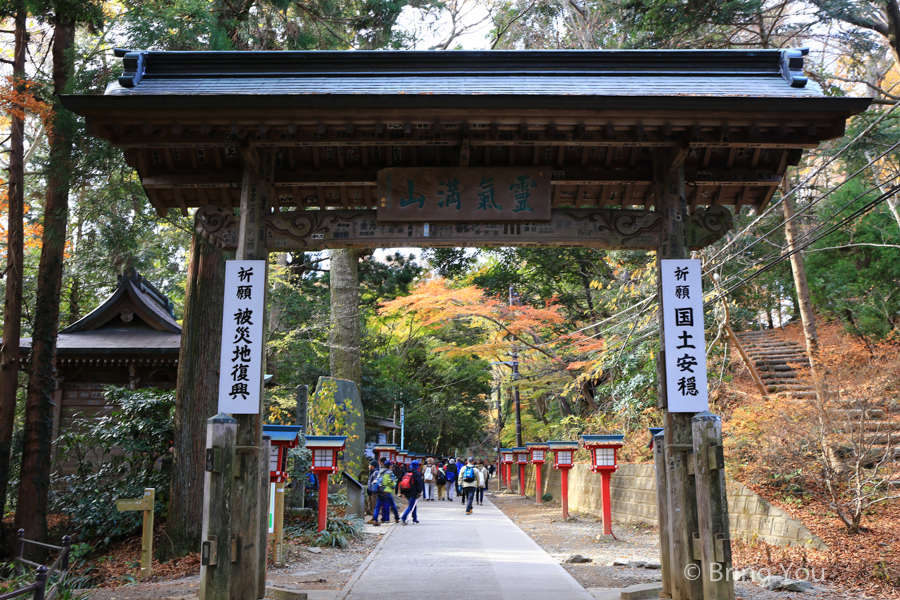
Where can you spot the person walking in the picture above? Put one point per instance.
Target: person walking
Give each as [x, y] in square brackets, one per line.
[450, 474]
[469, 479]
[482, 482]
[411, 487]
[385, 490]
[430, 478]
[371, 496]
[459, 469]
[441, 480]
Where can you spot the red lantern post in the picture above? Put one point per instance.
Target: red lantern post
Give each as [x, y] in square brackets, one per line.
[604, 460]
[284, 437]
[564, 459]
[506, 458]
[385, 451]
[521, 457]
[324, 450]
[538, 453]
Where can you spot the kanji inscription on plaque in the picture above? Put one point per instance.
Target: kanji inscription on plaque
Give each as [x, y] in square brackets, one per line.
[463, 194]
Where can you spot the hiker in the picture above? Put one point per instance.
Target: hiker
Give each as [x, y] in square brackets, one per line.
[469, 479]
[411, 486]
[310, 495]
[441, 479]
[459, 492]
[450, 474]
[482, 482]
[371, 496]
[429, 476]
[384, 487]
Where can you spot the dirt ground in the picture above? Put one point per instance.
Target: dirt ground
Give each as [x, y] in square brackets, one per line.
[562, 539]
[326, 569]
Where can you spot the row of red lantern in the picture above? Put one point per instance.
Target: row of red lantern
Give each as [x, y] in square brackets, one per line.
[603, 449]
[604, 460]
[402, 457]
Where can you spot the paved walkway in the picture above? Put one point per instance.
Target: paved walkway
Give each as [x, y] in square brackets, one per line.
[449, 555]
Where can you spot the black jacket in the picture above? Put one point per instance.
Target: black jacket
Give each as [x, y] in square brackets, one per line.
[417, 488]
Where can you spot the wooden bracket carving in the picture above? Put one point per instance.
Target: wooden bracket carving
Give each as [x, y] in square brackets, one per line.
[706, 226]
[611, 229]
[218, 226]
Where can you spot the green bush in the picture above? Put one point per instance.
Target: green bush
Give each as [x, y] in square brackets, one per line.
[547, 498]
[142, 429]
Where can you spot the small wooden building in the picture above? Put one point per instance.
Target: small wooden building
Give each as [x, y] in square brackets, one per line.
[132, 339]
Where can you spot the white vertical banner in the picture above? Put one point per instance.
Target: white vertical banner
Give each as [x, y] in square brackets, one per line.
[272, 508]
[243, 344]
[682, 305]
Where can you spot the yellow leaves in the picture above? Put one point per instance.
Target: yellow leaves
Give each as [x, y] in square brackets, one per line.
[596, 285]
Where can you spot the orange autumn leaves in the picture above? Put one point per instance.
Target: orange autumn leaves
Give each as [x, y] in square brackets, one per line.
[536, 331]
[19, 101]
[33, 231]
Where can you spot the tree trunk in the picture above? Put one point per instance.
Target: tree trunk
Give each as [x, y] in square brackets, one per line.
[12, 311]
[196, 396]
[34, 482]
[345, 358]
[800, 283]
[564, 405]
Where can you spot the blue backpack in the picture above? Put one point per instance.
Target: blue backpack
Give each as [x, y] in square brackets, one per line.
[469, 475]
[376, 484]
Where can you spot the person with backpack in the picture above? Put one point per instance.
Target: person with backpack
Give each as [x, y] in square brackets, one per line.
[482, 482]
[384, 486]
[459, 491]
[411, 486]
[469, 480]
[450, 475]
[429, 475]
[441, 480]
[371, 497]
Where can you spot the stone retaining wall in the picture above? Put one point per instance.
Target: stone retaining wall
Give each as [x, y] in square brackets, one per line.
[633, 491]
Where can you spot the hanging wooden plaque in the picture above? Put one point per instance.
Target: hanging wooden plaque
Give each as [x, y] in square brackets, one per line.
[463, 194]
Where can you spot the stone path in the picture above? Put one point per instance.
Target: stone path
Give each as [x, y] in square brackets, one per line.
[484, 556]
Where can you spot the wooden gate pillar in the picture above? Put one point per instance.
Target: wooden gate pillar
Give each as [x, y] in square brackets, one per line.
[216, 553]
[251, 501]
[713, 535]
[668, 181]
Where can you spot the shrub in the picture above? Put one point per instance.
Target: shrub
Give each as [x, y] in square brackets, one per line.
[142, 428]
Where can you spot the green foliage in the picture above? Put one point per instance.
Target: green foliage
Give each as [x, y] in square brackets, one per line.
[340, 529]
[853, 273]
[142, 428]
[547, 498]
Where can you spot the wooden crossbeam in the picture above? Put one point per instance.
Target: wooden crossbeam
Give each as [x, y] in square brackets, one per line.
[369, 177]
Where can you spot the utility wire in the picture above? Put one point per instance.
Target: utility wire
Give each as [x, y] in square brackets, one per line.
[808, 179]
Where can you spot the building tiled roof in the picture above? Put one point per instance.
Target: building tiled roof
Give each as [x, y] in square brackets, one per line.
[703, 84]
[115, 339]
[135, 319]
[139, 291]
[365, 77]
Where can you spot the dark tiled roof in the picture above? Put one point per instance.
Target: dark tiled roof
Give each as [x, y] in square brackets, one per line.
[115, 339]
[527, 85]
[460, 78]
[139, 291]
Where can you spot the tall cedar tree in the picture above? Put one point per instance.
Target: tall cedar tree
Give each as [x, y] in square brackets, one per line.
[344, 345]
[15, 258]
[196, 393]
[34, 481]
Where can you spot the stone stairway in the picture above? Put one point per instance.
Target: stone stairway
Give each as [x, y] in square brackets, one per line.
[867, 429]
[780, 364]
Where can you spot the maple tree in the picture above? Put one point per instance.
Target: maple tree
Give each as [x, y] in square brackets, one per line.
[500, 328]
